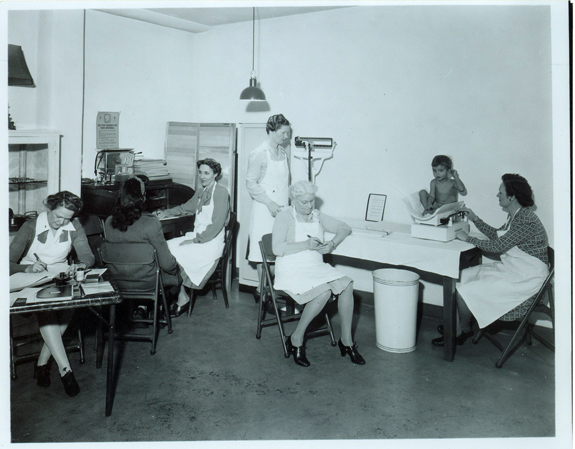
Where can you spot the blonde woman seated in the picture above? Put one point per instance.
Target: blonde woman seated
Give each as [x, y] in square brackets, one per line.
[298, 243]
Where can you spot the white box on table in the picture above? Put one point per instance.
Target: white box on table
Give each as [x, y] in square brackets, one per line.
[441, 233]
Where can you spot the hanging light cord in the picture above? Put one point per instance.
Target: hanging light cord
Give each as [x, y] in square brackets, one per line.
[253, 36]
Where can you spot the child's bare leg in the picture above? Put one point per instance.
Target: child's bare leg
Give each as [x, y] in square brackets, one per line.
[424, 198]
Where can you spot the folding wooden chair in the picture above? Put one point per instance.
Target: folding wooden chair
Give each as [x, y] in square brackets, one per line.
[136, 272]
[525, 331]
[279, 298]
[219, 278]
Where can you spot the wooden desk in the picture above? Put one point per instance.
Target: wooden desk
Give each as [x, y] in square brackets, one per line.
[446, 259]
[90, 301]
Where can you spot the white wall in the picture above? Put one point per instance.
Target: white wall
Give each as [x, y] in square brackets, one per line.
[141, 70]
[393, 85]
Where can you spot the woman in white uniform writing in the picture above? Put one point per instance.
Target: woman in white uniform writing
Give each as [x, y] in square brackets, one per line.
[489, 291]
[298, 243]
[197, 251]
[267, 181]
[43, 244]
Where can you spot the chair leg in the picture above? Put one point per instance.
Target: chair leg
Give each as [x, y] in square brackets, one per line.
[330, 329]
[166, 309]
[225, 294]
[261, 313]
[214, 293]
[512, 346]
[81, 346]
[280, 326]
[478, 336]
[155, 326]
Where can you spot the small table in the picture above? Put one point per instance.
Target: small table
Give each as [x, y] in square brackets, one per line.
[101, 299]
[446, 259]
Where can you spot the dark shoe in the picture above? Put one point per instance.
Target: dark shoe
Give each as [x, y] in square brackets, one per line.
[257, 296]
[140, 314]
[298, 353]
[42, 374]
[270, 307]
[460, 339]
[352, 352]
[70, 385]
[176, 310]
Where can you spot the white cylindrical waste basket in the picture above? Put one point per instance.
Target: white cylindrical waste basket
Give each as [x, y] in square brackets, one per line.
[395, 294]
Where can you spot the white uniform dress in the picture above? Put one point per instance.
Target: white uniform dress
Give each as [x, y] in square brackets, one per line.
[276, 184]
[196, 259]
[304, 275]
[492, 290]
[54, 252]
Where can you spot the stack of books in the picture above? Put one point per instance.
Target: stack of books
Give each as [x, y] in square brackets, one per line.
[152, 168]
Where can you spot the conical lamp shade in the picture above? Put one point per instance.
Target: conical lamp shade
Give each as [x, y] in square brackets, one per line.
[253, 93]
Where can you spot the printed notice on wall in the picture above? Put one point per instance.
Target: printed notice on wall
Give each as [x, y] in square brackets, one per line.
[107, 130]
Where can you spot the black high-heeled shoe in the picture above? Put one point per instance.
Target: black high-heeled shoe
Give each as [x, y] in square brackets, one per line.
[176, 310]
[354, 355]
[71, 387]
[42, 374]
[298, 353]
[460, 339]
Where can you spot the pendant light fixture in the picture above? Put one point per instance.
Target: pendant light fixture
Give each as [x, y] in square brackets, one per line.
[252, 92]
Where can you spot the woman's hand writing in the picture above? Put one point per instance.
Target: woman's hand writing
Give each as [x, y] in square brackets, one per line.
[36, 267]
[326, 248]
[313, 243]
[274, 208]
[160, 213]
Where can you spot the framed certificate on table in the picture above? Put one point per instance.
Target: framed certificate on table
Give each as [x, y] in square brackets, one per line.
[375, 207]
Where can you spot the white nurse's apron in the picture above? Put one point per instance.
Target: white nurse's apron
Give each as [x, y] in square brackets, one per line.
[492, 290]
[276, 184]
[196, 259]
[300, 272]
[54, 252]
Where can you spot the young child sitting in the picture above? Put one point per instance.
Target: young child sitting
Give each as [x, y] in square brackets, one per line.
[444, 187]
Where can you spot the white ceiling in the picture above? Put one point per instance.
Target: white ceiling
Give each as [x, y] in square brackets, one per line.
[197, 20]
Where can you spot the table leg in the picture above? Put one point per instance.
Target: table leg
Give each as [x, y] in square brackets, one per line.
[449, 323]
[110, 368]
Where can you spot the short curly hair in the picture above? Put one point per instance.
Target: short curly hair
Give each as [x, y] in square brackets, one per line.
[64, 199]
[442, 160]
[213, 164]
[301, 188]
[275, 122]
[517, 186]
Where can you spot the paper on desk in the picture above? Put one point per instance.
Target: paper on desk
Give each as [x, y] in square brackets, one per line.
[18, 281]
[28, 293]
[100, 287]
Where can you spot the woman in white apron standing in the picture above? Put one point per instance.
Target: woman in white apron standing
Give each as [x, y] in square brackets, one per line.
[43, 244]
[197, 251]
[298, 243]
[489, 291]
[267, 181]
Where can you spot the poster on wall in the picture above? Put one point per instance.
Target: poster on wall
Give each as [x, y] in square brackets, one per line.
[107, 130]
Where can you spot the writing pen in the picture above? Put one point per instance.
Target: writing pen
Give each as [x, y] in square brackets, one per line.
[38, 259]
[312, 237]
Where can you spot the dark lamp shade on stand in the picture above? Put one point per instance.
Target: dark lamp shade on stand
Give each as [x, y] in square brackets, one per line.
[18, 73]
[253, 93]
